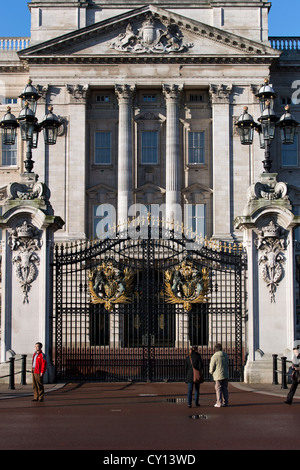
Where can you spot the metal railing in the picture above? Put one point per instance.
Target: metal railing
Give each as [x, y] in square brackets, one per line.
[12, 372]
[13, 44]
[285, 43]
[284, 374]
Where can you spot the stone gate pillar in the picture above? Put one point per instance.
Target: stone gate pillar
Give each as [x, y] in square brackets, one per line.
[267, 224]
[28, 225]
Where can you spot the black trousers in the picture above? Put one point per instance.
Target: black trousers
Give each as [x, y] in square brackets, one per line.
[292, 391]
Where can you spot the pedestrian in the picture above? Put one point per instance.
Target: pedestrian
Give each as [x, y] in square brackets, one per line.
[295, 375]
[39, 366]
[218, 368]
[193, 360]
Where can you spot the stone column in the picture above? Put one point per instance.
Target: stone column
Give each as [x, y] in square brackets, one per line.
[267, 224]
[172, 95]
[222, 178]
[76, 169]
[28, 225]
[125, 95]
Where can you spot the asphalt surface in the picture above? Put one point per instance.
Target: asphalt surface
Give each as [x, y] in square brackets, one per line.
[121, 419]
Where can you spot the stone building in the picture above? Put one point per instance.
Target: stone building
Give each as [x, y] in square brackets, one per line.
[148, 96]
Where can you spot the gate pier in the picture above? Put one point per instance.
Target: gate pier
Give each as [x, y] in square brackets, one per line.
[267, 224]
[28, 225]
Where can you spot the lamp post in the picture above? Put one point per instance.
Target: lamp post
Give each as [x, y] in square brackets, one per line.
[29, 125]
[268, 123]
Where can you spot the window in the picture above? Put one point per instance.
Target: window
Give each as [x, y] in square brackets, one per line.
[195, 217]
[196, 98]
[196, 147]
[102, 148]
[149, 98]
[10, 101]
[150, 147]
[289, 153]
[9, 154]
[102, 99]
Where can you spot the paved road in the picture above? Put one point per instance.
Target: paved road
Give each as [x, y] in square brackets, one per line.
[135, 416]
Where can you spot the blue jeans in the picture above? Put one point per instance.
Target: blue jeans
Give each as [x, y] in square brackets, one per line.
[190, 393]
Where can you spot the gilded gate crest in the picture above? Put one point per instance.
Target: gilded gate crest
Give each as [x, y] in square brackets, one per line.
[186, 284]
[110, 285]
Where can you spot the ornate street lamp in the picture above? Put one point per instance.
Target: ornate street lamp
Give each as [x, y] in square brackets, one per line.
[50, 125]
[266, 94]
[29, 125]
[9, 126]
[246, 126]
[268, 123]
[287, 124]
[30, 96]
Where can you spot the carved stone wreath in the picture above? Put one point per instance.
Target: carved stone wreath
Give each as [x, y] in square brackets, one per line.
[25, 240]
[271, 242]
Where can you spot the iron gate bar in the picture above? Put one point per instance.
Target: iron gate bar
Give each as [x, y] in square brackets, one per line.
[87, 339]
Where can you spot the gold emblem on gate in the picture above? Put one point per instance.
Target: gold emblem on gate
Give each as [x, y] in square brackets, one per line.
[186, 284]
[110, 285]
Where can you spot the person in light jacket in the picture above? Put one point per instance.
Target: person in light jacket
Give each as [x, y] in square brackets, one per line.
[218, 368]
[39, 366]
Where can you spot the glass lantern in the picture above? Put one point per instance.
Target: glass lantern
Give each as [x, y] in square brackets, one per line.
[9, 126]
[266, 96]
[287, 124]
[50, 125]
[30, 96]
[246, 126]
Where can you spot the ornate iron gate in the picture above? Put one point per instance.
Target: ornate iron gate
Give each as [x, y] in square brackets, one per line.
[129, 309]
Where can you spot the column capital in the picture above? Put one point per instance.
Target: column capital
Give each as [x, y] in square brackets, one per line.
[125, 93]
[78, 93]
[172, 92]
[220, 94]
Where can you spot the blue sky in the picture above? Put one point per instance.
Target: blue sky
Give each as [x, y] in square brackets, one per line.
[284, 18]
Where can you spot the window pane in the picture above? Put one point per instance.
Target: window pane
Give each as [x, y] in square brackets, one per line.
[289, 153]
[9, 154]
[196, 147]
[103, 148]
[196, 218]
[150, 147]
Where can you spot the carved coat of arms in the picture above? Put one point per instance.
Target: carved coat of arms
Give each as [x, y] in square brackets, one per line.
[186, 284]
[271, 244]
[153, 36]
[110, 285]
[25, 242]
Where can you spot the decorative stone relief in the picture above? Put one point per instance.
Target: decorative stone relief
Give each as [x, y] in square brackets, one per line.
[25, 240]
[172, 92]
[271, 242]
[220, 93]
[33, 190]
[272, 190]
[152, 37]
[78, 93]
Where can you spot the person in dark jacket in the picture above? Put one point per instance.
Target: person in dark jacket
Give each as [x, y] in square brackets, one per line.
[195, 359]
[295, 375]
[39, 366]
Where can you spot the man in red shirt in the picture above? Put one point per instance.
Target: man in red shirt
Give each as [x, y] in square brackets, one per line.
[39, 365]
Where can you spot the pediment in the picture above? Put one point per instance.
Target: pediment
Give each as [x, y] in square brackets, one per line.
[145, 32]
